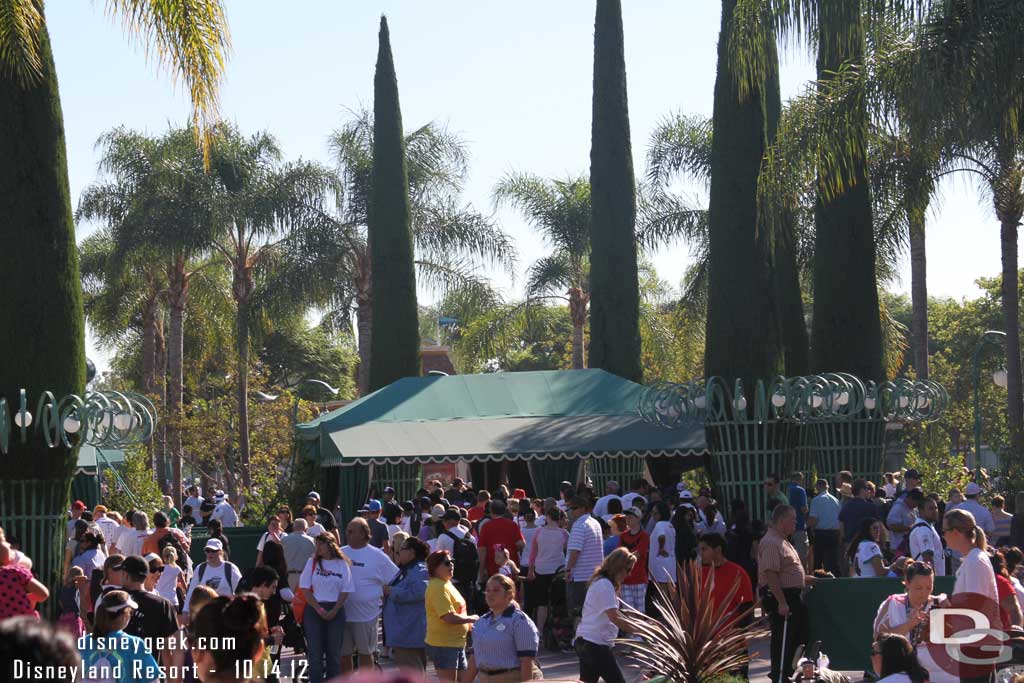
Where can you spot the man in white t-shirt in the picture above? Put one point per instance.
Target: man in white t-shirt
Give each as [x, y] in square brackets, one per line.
[371, 571]
[450, 519]
[223, 511]
[130, 541]
[108, 526]
[925, 542]
[611, 490]
[193, 499]
[216, 573]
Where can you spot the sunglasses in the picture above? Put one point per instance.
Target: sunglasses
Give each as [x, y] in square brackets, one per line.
[449, 563]
[211, 550]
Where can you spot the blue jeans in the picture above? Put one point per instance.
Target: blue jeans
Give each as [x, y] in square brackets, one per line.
[323, 638]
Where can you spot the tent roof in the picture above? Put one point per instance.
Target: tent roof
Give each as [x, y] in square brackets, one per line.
[89, 455]
[500, 416]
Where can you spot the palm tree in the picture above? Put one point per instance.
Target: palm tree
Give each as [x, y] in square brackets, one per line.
[159, 200]
[258, 200]
[43, 324]
[327, 261]
[560, 210]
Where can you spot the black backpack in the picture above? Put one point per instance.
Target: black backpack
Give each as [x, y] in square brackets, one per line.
[467, 561]
[171, 540]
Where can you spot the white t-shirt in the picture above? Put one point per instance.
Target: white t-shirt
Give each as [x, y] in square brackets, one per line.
[216, 578]
[371, 571]
[895, 678]
[866, 552]
[168, 581]
[976, 576]
[1018, 588]
[601, 506]
[394, 529]
[89, 560]
[445, 542]
[329, 580]
[315, 531]
[528, 534]
[131, 541]
[195, 502]
[924, 538]
[595, 626]
[109, 528]
[266, 536]
[118, 538]
[663, 569]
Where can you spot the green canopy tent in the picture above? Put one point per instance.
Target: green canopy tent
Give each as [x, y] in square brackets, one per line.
[88, 477]
[551, 421]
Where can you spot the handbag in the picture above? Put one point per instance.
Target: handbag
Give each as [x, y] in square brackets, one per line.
[299, 605]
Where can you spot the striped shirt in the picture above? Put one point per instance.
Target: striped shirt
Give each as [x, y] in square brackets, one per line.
[1002, 523]
[499, 641]
[586, 538]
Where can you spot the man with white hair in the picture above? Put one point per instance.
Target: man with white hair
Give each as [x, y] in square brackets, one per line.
[130, 541]
[298, 548]
[981, 514]
[223, 512]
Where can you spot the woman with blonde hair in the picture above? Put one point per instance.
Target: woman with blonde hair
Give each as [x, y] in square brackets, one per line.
[505, 639]
[326, 583]
[602, 620]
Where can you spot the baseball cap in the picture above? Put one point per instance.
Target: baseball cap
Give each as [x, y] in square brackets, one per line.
[972, 489]
[312, 494]
[912, 474]
[99, 510]
[635, 511]
[374, 506]
[78, 505]
[113, 602]
[135, 565]
[213, 544]
[388, 489]
[153, 556]
[437, 511]
[519, 494]
[685, 494]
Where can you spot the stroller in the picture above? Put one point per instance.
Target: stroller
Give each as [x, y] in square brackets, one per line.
[558, 630]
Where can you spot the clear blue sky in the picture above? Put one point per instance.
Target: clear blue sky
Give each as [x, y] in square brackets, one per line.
[513, 78]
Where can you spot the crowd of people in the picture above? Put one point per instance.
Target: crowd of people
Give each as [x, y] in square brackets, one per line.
[478, 583]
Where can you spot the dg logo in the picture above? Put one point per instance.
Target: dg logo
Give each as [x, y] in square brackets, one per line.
[966, 638]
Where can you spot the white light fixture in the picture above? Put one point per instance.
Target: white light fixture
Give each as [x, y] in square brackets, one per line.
[700, 402]
[904, 401]
[869, 403]
[923, 402]
[27, 416]
[816, 401]
[844, 398]
[123, 421]
[1000, 377]
[108, 420]
[740, 403]
[72, 424]
[778, 400]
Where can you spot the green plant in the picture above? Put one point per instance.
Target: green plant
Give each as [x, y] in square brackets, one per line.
[136, 489]
[692, 640]
[932, 455]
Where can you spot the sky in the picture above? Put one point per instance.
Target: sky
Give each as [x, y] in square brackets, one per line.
[513, 79]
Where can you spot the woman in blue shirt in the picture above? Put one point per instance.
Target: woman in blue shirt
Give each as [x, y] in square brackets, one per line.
[108, 653]
[405, 615]
[505, 640]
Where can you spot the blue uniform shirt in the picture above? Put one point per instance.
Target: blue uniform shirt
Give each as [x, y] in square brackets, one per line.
[123, 659]
[499, 641]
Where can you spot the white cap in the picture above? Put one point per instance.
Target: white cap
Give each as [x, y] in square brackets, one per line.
[972, 489]
[214, 544]
[684, 494]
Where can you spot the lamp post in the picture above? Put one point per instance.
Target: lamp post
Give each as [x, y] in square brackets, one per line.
[995, 338]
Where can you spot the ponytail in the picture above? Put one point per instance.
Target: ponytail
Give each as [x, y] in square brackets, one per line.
[980, 541]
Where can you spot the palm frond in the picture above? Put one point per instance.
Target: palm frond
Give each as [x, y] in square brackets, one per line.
[190, 39]
[21, 27]
[680, 145]
[552, 274]
[559, 209]
[664, 217]
[443, 228]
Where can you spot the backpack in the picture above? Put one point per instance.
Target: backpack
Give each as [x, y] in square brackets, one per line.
[171, 540]
[467, 561]
[201, 569]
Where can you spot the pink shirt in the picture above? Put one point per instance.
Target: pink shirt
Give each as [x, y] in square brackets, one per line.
[14, 580]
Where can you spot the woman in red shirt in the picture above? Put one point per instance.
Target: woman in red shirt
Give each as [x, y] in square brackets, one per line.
[19, 592]
[1009, 607]
[637, 541]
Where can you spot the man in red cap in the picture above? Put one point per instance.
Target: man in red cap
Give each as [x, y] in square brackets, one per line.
[77, 508]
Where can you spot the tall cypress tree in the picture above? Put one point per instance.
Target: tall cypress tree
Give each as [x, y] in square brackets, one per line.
[614, 286]
[742, 326]
[846, 332]
[394, 331]
[42, 335]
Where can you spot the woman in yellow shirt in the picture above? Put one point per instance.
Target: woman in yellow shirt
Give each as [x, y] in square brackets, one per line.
[447, 619]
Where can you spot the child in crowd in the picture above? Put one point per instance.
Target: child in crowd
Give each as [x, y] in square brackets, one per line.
[70, 617]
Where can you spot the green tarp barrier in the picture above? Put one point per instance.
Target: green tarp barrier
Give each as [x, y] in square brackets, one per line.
[843, 613]
[241, 539]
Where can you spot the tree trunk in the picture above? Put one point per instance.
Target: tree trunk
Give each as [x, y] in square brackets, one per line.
[1011, 325]
[846, 330]
[150, 313]
[364, 321]
[742, 327]
[178, 299]
[42, 325]
[614, 285]
[242, 287]
[578, 300]
[395, 336]
[919, 292]
[160, 389]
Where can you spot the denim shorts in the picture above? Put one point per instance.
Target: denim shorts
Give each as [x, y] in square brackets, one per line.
[448, 658]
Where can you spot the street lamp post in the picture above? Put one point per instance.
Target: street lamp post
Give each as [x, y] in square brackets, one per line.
[995, 338]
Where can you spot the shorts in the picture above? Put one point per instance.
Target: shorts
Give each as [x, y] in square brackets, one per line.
[360, 638]
[575, 594]
[448, 658]
[538, 591]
